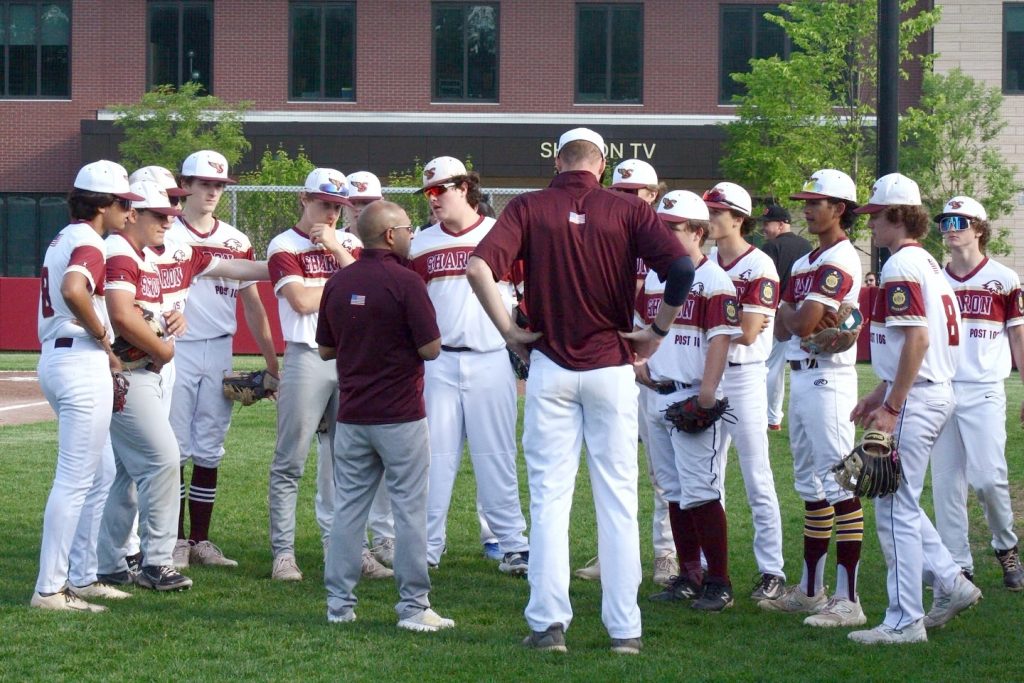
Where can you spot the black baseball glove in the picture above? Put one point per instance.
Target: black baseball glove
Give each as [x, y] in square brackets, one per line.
[873, 468]
[130, 356]
[249, 387]
[688, 415]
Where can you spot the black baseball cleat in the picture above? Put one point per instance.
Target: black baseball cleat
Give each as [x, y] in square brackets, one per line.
[1013, 574]
[680, 588]
[134, 562]
[716, 597]
[121, 578]
[165, 578]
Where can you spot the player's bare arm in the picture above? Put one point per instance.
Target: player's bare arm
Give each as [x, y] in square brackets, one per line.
[780, 331]
[129, 324]
[175, 323]
[914, 347]
[259, 325]
[1015, 335]
[752, 325]
[326, 236]
[430, 350]
[327, 352]
[869, 404]
[481, 279]
[804, 320]
[714, 367]
[77, 293]
[240, 269]
[303, 300]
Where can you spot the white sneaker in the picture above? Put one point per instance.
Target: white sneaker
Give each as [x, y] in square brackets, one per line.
[285, 569]
[664, 569]
[96, 589]
[590, 572]
[883, 635]
[64, 601]
[207, 553]
[947, 605]
[182, 550]
[372, 569]
[426, 621]
[384, 550]
[838, 612]
[795, 600]
[344, 616]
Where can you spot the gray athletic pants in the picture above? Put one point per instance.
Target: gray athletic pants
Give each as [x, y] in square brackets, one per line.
[362, 455]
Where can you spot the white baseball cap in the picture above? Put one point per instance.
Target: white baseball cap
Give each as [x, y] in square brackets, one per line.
[107, 177]
[962, 205]
[363, 185]
[327, 184]
[440, 170]
[894, 189]
[153, 198]
[828, 183]
[207, 165]
[162, 177]
[581, 134]
[682, 205]
[633, 174]
[728, 196]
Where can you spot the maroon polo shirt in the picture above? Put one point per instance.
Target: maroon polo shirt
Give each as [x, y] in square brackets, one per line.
[580, 244]
[375, 314]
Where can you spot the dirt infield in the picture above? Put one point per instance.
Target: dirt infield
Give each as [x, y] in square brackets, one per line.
[21, 399]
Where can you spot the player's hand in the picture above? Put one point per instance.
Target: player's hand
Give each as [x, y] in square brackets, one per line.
[768, 320]
[517, 339]
[643, 375]
[867, 406]
[644, 343]
[828, 319]
[115, 364]
[174, 322]
[880, 419]
[271, 393]
[706, 400]
[324, 236]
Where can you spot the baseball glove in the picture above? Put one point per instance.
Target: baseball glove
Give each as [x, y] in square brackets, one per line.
[873, 468]
[130, 356]
[688, 415]
[120, 391]
[519, 366]
[248, 387]
[836, 336]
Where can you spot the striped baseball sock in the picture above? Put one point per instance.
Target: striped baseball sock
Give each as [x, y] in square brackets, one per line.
[684, 534]
[181, 502]
[818, 519]
[849, 536]
[201, 493]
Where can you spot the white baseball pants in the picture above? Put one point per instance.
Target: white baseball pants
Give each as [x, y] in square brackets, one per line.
[661, 527]
[200, 414]
[777, 382]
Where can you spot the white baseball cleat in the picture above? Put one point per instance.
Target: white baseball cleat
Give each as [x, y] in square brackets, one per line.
[838, 612]
[883, 635]
[590, 572]
[285, 569]
[180, 554]
[98, 589]
[345, 615]
[64, 601]
[665, 568]
[795, 600]
[426, 621]
[372, 569]
[947, 605]
[384, 550]
[205, 552]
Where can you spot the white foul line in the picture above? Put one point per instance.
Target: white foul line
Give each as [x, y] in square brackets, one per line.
[25, 405]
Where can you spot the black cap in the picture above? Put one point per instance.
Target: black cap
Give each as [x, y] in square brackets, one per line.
[775, 213]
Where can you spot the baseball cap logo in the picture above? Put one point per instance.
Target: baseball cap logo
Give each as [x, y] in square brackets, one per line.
[218, 167]
[668, 203]
[955, 204]
[337, 183]
[361, 187]
[429, 172]
[625, 172]
[811, 185]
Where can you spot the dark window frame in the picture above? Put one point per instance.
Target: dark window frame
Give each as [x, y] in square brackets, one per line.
[448, 4]
[180, 6]
[580, 98]
[5, 6]
[1007, 6]
[757, 11]
[322, 6]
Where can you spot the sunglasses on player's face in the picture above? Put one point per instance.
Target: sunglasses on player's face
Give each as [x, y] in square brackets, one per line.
[438, 190]
[954, 223]
[125, 204]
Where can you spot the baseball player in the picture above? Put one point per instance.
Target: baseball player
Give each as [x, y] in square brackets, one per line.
[691, 363]
[580, 243]
[200, 414]
[823, 390]
[639, 178]
[992, 310]
[745, 380]
[470, 388]
[915, 338]
[301, 259]
[74, 374]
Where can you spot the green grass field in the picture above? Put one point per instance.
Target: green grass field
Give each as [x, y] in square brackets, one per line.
[237, 624]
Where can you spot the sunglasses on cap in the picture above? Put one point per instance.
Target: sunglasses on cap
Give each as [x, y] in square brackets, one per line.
[438, 190]
[331, 188]
[716, 196]
[954, 223]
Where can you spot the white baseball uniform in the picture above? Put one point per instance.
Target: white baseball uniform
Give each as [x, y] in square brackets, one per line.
[745, 384]
[971, 449]
[470, 392]
[74, 374]
[916, 295]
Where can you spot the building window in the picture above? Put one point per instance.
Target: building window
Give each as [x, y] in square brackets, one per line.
[322, 45]
[28, 223]
[180, 47]
[745, 34]
[465, 52]
[35, 49]
[1013, 48]
[609, 53]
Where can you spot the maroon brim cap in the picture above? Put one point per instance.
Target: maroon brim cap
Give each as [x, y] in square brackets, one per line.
[871, 208]
[177, 192]
[226, 181]
[129, 195]
[720, 206]
[330, 198]
[162, 210]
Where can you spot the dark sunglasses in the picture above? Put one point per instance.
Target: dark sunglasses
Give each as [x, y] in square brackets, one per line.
[438, 190]
[954, 223]
[716, 196]
[125, 204]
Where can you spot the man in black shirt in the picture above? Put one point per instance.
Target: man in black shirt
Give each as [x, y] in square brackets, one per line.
[784, 248]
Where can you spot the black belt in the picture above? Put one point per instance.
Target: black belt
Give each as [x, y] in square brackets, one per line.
[809, 364]
[455, 349]
[670, 387]
[63, 342]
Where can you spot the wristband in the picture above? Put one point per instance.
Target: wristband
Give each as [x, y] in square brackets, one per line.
[657, 330]
[889, 409]
[101, 336]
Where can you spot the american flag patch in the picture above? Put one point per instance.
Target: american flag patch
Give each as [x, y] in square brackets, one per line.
[357, 300]
[577, 218]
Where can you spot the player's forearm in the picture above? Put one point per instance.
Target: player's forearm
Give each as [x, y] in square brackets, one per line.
[259, 327]
[129, 324]
[241, 269]
[751, 325]
[1015, 335]
[802, 321]
[915, 345]
[482, 281]
[303, 300]
[714, 367]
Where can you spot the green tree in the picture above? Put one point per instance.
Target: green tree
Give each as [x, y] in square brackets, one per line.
[170, 123]
[950, 149]
[812, 111]
[263, 214]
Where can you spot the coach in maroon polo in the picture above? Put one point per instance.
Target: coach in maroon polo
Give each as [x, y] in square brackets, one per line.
[580, 243]
[376, 319]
